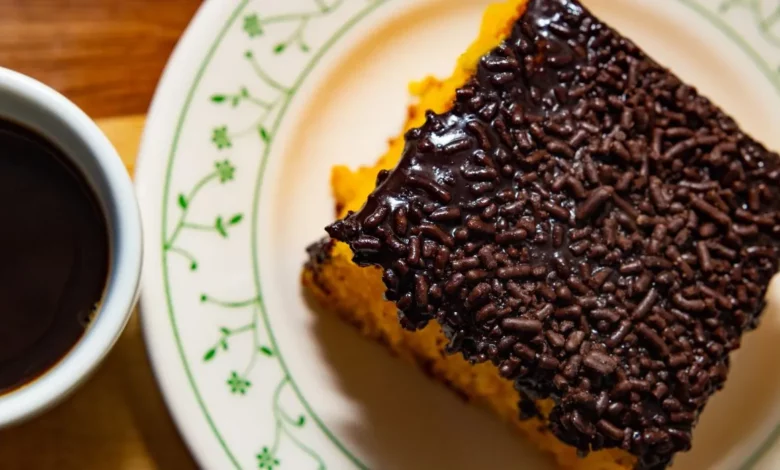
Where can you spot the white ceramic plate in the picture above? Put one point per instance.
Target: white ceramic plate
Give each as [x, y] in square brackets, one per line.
[259, 100]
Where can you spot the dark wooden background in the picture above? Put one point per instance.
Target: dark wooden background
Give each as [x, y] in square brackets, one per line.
[106, 55]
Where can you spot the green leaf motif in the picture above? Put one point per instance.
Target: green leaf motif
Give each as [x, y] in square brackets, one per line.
[265, 135]
[209, 354]
[221, 138]
[252, 25]
[238, 384]
[267, 460]
[193, 266]
[219, 226]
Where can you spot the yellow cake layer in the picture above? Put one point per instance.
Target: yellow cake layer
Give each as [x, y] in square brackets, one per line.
[356, 294]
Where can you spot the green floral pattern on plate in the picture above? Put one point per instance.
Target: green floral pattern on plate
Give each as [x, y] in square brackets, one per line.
[263, 365]
[766, 15]
[223, 173]
[270, 106]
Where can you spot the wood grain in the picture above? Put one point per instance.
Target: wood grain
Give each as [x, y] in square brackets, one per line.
[105, 55]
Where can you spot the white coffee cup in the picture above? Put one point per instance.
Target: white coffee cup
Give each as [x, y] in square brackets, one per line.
[36, 106]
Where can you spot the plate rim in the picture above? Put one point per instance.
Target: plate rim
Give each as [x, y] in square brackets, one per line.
[177, 66]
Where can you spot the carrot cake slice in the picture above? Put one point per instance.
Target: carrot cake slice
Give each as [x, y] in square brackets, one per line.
[566, 233]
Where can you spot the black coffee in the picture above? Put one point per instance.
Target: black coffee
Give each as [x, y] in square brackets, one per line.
[54, 254]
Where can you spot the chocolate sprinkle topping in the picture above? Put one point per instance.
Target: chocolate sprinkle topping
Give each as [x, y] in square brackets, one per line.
[588, 223]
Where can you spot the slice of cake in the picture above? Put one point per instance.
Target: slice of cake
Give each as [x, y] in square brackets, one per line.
[567, 234]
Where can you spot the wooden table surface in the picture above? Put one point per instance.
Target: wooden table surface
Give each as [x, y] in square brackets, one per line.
[106, 55]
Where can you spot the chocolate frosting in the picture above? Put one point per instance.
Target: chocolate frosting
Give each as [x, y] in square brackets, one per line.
[586, 222]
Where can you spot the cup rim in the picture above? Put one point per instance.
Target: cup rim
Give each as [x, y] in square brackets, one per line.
[122, 287]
